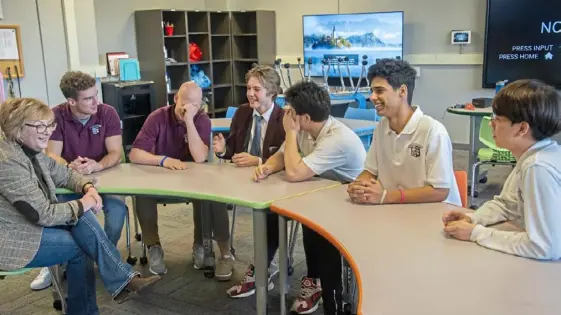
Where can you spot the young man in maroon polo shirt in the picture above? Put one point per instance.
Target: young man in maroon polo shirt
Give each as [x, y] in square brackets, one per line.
[256, 133]
[87, 139]
[171, 136]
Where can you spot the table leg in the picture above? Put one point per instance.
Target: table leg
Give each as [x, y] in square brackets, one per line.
[210, 157]
[474, 144]
[260, 257]
[283, 263]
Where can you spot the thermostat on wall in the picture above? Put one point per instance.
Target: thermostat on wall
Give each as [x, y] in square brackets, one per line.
[460, 37]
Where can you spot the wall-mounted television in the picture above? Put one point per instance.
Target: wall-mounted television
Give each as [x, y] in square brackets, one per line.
[332, 36]
[522, 41]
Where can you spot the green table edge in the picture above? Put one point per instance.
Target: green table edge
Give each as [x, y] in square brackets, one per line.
[190, 195]
[464, 112]
[6, 273]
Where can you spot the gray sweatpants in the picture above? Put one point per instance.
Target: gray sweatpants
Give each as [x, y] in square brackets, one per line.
[147, 213]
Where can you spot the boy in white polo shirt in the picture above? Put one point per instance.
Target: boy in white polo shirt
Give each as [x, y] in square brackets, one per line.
[410, 160]
[316, 145]
[526, 114]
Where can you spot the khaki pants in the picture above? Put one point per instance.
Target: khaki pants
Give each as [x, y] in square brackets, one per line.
[147, 213]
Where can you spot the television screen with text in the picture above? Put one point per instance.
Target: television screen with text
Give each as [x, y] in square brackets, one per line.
[523, 41]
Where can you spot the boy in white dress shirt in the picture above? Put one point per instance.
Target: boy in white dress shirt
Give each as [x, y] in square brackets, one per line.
[526, 114]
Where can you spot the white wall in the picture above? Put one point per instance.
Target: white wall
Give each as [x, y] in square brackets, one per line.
[24, 14]
[115, 20]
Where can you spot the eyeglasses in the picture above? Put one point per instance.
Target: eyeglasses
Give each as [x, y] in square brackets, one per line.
[493, 116]
[42, 128]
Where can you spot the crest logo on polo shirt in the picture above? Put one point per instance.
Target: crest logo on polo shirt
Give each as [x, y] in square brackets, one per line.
[95, 129]
[415, 149]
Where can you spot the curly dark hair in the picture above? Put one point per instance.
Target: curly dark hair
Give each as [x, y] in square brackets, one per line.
[396, 72]
[533, 102]
[309, 98]
[74, 82]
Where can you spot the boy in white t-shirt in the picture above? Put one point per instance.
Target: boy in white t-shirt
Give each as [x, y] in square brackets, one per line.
[316, 144]
[410, 160]
[526, 114]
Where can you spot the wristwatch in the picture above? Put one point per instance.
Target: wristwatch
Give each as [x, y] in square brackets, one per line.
[86, 185]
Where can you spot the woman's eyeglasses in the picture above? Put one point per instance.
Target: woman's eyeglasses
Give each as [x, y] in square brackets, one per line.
[42, 128]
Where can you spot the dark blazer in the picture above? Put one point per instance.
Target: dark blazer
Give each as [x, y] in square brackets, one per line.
[240, 132]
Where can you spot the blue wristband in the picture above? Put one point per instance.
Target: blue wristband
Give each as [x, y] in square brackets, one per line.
[162, 160]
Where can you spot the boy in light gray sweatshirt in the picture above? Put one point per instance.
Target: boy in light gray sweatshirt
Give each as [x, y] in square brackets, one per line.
[526, 114]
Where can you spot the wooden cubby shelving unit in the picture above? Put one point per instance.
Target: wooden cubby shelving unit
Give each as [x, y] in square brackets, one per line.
[231, 42]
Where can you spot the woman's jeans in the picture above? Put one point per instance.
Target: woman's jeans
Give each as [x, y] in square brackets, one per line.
[114, 210]
[80, 246]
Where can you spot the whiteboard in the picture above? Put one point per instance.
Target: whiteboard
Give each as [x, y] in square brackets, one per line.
[8, 44]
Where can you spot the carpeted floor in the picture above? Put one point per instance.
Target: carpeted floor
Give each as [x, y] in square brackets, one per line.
[185, 290]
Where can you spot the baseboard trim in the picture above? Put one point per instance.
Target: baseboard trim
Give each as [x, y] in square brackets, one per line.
[461, 146]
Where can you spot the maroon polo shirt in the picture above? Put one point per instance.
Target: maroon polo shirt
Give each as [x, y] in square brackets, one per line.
[164, 134]
[85, 140]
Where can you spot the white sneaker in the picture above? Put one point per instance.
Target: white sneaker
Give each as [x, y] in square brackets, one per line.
[42, 281]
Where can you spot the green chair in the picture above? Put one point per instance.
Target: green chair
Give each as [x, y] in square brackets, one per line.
[490, 155]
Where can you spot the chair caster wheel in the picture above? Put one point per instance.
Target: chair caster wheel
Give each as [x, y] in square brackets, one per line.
[131, 260]
[143, 260]
[483, 180]
[57, 305]
[473, 207]
[138, 237]
[290, 270]
[209, 272]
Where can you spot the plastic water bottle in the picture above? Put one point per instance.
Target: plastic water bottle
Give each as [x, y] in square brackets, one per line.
[168, 83]
[499, 85]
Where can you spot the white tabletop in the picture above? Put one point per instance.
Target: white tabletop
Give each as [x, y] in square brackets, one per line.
[407, 266]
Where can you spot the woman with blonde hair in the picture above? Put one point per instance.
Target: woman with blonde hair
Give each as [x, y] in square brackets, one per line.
[38, 231]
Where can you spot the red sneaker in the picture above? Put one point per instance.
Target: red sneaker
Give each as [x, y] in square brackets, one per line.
[310, 297]
[247, 286]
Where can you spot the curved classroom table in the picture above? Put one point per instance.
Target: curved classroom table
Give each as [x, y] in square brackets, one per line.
[221, 182]
[475, 117]
[404, 265]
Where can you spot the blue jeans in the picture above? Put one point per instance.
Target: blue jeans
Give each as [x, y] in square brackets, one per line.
[80, 246]
[114, 209]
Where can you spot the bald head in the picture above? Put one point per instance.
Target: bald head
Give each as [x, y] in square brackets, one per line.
[189, 94]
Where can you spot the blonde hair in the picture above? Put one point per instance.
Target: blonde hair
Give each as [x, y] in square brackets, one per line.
[268, 77]
[16, 111]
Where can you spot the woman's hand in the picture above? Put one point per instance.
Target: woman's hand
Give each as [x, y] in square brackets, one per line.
[92, 200]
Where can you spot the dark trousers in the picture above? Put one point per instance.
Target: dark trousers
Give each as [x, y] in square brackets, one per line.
[324, 262]
[272, 236]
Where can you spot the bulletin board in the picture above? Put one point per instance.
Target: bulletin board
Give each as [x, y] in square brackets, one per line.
[11, 54]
